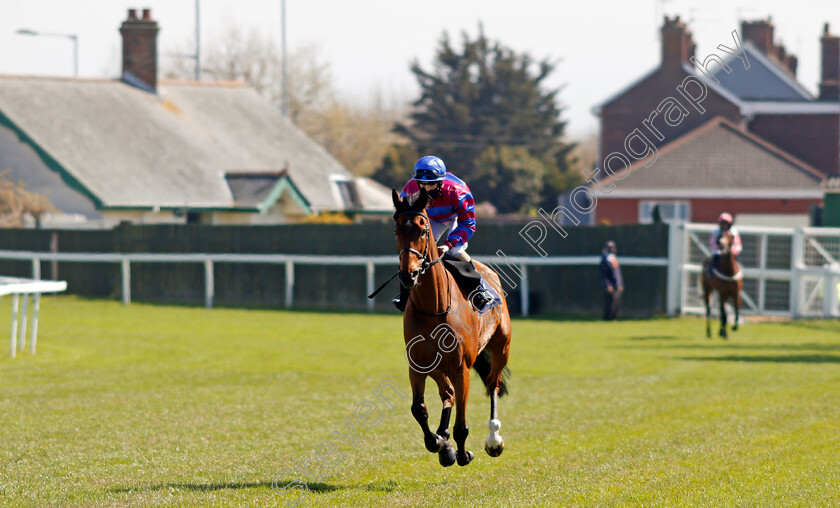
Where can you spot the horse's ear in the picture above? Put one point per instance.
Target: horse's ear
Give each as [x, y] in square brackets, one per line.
[421, 201]
[396, 198]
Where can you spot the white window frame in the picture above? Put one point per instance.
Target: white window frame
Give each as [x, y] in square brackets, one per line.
[336, 190]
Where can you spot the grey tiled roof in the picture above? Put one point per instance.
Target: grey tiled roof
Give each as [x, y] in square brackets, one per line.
[765, 80]
[130, 148]
[718, 155]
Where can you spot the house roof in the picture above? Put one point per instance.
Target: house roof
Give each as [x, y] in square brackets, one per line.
[765, 80]
[719, 157]
[127, 148]
[764, 88]
[260, 191]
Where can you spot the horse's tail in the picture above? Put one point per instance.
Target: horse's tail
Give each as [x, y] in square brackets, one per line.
[482, 367]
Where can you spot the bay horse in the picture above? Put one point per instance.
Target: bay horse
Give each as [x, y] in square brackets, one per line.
[445, 337]
[727, 280]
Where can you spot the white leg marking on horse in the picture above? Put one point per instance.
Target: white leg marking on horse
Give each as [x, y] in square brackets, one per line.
[494, 440]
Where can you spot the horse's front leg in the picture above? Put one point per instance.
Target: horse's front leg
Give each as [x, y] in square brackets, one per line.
[723, 317]
[737, 309]
[446, 456]
[461, 431]
[434, 443]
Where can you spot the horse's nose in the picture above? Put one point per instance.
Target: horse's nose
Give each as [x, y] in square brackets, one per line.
[414, 274]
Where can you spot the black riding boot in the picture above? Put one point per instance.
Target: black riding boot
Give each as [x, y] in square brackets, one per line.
[468, 279]
[401, 299]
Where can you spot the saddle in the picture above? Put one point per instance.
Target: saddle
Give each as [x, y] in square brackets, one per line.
[469, 279]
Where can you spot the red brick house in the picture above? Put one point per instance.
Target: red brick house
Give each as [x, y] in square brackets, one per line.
[732, 131]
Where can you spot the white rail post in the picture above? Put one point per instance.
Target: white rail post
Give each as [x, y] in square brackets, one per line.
[290, 284]
[126, 281]
[524, 289]
[23, 314]
[675, 266]
[36, 269]
[829, 292]
[684, 284]
[762, 277]
[370, 269]
[796, 263]
[209, 283]
[13, 334]
[36, 306]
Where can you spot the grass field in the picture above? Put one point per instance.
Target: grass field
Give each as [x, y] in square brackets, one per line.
[173, 406]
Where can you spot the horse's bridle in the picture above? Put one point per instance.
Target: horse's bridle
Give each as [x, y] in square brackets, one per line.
[426, 264]
[424, 256]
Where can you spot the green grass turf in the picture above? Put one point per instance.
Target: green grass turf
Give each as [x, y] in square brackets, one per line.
[173, 406]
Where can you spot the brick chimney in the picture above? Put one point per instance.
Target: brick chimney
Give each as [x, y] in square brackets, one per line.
[140, 50]
[759, 33]
[677, 43]
[830, 83]
[792, 64]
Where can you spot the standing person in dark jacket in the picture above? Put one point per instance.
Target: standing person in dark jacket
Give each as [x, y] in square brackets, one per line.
[611, 281]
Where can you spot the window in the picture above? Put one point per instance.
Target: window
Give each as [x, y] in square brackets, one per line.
[670, 211]
[345, 192]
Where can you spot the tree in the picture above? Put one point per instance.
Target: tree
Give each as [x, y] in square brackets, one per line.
[484, 104]
[16, 203]
[396, 166]
[357, 137]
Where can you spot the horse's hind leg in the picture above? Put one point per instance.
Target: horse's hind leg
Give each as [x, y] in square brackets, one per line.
[446, 455]
[495, 445]
[434, 443]
[461, 431]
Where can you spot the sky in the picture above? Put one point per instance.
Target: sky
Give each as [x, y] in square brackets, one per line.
[599, 46]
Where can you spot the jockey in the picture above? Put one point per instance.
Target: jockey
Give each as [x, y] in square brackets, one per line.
[724, 224]
[451, 207]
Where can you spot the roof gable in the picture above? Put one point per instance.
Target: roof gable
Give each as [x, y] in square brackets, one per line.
[261, 191]
[765, 80]
[719, 155]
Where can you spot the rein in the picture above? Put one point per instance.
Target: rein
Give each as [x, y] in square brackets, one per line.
[425, 265]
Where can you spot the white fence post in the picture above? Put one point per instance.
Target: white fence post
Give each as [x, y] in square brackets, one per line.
[797, 262]
[23, 318]
[36, 269]
[290, 284]
[126, 281]
[524, 290]
[36, 306]
[675, 267]
[209, 283]
[13, 334]
[762, 278]
[370, 270]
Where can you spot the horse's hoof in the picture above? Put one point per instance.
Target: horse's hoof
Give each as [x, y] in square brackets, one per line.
[495, 451]
[465, 458]
[447, 456]
[435, 444]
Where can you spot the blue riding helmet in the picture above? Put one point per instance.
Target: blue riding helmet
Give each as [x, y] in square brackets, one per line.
[429, 169]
